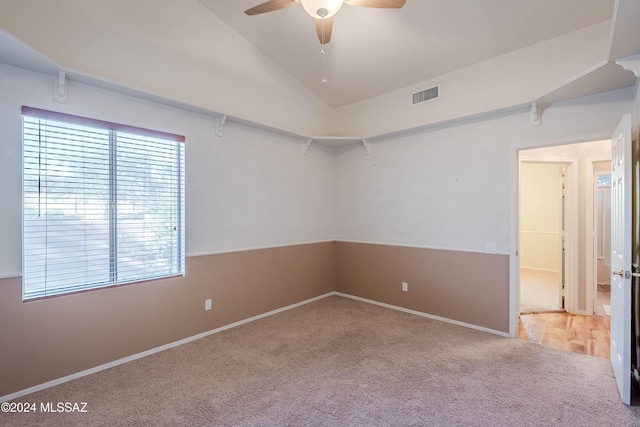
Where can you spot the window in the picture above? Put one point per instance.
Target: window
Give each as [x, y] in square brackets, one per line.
[103, 204]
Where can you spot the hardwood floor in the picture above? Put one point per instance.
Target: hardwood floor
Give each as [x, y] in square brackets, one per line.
[569, 332]
[579, 334]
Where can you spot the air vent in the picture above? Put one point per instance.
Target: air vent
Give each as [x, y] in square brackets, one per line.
[425, 95]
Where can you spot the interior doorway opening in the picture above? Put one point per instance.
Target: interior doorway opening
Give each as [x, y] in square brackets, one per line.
[565, 213]
[542, 234]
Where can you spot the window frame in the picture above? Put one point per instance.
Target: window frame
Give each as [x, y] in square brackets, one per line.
[178, 265]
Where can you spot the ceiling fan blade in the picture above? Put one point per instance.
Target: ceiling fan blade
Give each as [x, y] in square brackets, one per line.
[324, 37]
[270, 6]
[387, 4]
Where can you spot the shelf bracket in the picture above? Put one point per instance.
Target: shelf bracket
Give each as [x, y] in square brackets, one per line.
[220, 125]
[535, 115]
[305, 145]
[60, 89]
[630, 63]
[367, 146]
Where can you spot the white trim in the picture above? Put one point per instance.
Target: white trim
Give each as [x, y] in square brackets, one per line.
[572, 257]
[220, 252]
[514, 241]
[153, 350]
[550, 270]
[590, 230]
[285, 245]
[420, 247]
[565, 140]
[421, 314]
[547, 159]
[539, 232]
[254, 248]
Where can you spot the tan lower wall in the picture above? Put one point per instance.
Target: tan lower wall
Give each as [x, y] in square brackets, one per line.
[463, 286]
[48, 339]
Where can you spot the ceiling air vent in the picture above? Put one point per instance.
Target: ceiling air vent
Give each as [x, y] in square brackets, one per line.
[425, 95]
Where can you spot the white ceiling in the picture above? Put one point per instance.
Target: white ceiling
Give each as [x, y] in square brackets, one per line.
[374, 51]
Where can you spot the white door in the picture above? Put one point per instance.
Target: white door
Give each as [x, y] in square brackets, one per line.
[621, 257]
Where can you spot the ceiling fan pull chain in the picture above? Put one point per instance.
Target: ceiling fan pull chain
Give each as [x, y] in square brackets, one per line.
[324, 57]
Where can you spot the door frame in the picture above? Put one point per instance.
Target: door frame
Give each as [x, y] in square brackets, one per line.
[591, 254]
[571, 212]
[514, 226]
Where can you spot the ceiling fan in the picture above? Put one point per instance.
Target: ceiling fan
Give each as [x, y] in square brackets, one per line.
[322, 10]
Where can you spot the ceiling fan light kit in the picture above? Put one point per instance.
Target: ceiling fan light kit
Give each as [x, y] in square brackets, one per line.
[321, 9]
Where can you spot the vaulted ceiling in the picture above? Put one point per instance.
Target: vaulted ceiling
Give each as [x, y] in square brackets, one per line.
[374, 51]
[488, 55]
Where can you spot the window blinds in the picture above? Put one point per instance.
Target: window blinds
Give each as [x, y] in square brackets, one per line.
[103, 204]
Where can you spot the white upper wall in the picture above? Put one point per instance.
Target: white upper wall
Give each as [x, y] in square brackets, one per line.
[157, 48]
[449, 187]
[519, 77]
[245, 190]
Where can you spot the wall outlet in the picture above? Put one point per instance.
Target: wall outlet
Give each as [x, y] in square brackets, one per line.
[207, 304]
[490, 248]
[405, 287]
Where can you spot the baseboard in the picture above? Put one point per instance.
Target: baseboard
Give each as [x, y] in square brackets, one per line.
[428, 316]
[154, 350]
[149, 352]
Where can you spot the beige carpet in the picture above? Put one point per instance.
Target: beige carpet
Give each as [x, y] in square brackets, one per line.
[340, 362]
[539, 291]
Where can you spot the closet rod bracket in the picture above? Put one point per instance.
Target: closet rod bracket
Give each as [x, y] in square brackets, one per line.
[60, 88]
[367, 146]
[220, 121]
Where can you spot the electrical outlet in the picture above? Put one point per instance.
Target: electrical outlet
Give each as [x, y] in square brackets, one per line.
[207, 304]
[405, 287]
[490, 248]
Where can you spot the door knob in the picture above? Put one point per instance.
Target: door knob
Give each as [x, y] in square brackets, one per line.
[625, 274]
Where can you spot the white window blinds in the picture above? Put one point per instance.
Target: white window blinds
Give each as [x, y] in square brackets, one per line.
[103, 204]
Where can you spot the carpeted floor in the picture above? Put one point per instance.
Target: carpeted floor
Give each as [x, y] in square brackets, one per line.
[340, 362]
[539, 291]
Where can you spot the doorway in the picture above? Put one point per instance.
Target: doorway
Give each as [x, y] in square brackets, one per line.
[571, 207]
[542, 224]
